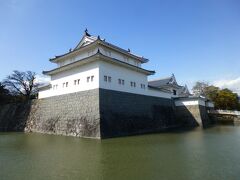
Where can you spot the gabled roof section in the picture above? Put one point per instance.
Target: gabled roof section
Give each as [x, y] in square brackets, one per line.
[184, 92]
[168, 81]
[98, 56]
[88, 40]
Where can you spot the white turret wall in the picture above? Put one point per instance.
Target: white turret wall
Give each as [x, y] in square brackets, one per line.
[117, 72]
[69, 76]
[98, 70]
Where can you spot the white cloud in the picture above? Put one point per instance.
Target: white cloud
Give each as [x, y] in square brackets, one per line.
[41, 79]
[232, 84]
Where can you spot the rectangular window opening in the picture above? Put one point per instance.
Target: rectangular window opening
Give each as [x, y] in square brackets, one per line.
[174, 92]
[109, 78]
[105, 78]
[88, 78]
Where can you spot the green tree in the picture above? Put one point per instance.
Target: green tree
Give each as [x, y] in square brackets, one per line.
[211, 92]
[226, 99]
[222, 98]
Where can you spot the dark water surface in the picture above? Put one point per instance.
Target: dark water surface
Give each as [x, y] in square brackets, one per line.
[212, 154]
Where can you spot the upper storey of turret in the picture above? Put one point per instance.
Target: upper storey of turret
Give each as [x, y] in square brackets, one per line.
[90, 45]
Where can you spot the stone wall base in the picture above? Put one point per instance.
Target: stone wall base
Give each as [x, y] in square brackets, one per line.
[194, 115]
[75, 114]
[100, 113]
[125, 114]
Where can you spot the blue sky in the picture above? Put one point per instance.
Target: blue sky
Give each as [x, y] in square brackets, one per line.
[194, 39]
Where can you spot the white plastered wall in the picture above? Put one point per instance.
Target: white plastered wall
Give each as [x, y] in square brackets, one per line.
[82, 72]
[99, 69]
[128, 75]
[105, 51]
[190, 102]
[84, 54]
[91, 51]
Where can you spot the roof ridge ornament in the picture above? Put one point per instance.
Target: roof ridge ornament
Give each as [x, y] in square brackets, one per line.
[86, 32]
[88, 39]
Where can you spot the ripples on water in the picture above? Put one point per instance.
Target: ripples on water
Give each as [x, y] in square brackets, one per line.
[212, 154]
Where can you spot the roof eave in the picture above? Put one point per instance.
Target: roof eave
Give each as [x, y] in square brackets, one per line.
[56, 58]
[99, 54]
[148, 72]
[143, 60]
[75, 50]
[160, 89]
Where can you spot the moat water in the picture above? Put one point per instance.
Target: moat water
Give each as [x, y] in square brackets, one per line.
[211, 154]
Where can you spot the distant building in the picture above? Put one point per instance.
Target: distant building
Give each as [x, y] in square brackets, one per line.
[170, 84]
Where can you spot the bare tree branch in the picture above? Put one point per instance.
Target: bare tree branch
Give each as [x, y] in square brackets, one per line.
[21, 83]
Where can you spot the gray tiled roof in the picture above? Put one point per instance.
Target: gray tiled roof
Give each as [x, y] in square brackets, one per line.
[64, 67]
[103, 42]
[160, 82]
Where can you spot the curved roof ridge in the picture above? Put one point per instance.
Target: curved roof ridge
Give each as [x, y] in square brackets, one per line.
[126, 51]
[94, 39]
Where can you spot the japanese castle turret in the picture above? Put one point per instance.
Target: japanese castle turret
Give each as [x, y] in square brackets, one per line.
[100, 90]
[94, 63]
